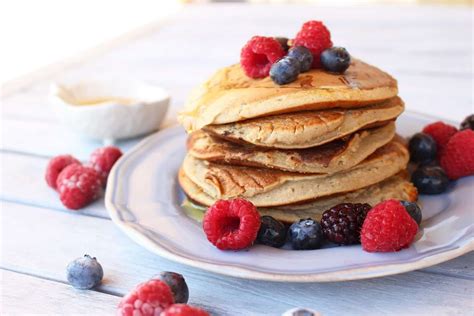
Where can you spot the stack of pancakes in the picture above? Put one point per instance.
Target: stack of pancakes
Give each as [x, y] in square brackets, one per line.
[298, 149]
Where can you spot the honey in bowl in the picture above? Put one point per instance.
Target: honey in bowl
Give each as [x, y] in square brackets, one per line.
[101, 100]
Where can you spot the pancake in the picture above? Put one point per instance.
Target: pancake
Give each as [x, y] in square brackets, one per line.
[269, 187]
[330, 158]
[230, 96]
[395, 187]
[309, 128]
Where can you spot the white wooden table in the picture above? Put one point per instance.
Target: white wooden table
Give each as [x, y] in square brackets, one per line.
[428, 49]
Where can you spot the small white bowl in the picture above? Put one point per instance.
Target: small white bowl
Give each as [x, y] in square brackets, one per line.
[110, 110]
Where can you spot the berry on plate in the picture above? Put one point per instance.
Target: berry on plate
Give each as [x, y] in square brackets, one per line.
[84, 273]
[335, 59]
[55, 166]
[272, 232]
[184, 310]
[103, 159]
[147, 299]
[341, 224]
[285, 70]
[78, 186]
[303, 55]
[305, 234]
[388, 227]
[231, 224]
[177, 285]
[316, 37]
[422, 148]
[413, 210]
[441, 133]
[430, 179]
[259, 54]
[458, 157]
[468, 123]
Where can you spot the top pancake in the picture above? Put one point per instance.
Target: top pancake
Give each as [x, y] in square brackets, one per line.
[230, 96]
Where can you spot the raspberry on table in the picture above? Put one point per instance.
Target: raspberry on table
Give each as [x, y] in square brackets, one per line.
[458, 157]
[388, 227]
[441, 133]
[55, 166]
[341, 224]
[78, 186]
[316, 37]
[103, 159]
[259, 54]
[184, 310]
[148, 299]
[232, 224]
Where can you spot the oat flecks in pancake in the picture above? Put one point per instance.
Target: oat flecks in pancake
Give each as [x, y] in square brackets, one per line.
[330, 158]
[395, 187]
[230, 96]
[307, 129]
[266, 187]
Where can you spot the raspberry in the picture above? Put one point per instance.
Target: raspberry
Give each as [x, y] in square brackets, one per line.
[441, 133]
[341, 224]
[388, 227]
[258, 55]
[147, 299]
[316, 37]
[55, 166]
[184, 310]
[458, 157]
[78, 186]
[103, 159]
[232, 224]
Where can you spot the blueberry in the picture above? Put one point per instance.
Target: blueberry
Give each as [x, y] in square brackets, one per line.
[283, 42]
[285, 70]
[303, 55]
[414, 210]
[430, 180]
[272, 232]
[177, 285]
[422, 148]
[84, 273]
[468, 123]
[335, 59]
[305, 234]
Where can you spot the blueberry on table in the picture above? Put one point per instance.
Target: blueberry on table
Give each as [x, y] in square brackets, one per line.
[283, 42]
[335, 59]
[272, 232]
[305, 234]
[177, 285]
[414, 210]
[285, 70]
[430, 180]
[468, 123]
[84, 273]
[422, 148]
[303, 55]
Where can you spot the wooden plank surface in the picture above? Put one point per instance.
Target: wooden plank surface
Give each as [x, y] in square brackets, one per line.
[127, 264]
[428, 49]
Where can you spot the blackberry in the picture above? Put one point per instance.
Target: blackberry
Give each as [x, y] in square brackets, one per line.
[272, 232]
[342, 223]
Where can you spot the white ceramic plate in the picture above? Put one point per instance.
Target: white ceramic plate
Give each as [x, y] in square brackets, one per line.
[143, 198]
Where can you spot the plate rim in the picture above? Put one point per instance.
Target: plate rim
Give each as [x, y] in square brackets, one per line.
[356, 273]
